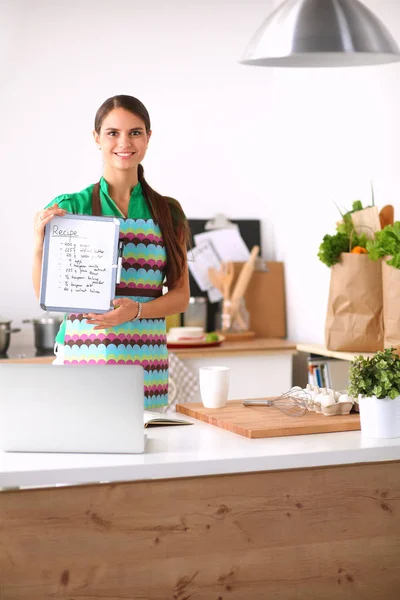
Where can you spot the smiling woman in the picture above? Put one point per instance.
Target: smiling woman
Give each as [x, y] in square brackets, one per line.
[153, 237]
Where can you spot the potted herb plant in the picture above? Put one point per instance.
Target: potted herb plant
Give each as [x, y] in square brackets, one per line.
[375, 382]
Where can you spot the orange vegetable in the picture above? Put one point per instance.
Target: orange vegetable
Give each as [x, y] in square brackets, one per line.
[359, 250]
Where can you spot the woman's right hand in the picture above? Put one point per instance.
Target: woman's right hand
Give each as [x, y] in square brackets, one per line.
[41, 219]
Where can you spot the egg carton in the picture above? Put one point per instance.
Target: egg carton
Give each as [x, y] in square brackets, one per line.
[329, 402]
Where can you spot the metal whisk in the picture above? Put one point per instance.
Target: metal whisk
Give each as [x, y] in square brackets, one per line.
[293, 403]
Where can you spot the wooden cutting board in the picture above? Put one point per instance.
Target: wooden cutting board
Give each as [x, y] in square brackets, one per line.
[266, 421]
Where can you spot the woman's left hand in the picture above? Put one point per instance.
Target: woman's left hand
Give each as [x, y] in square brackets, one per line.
[125, 310]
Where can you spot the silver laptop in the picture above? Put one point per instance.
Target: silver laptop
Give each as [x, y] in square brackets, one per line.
[77, 408]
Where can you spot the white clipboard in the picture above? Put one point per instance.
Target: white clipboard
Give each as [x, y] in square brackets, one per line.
[81, 264]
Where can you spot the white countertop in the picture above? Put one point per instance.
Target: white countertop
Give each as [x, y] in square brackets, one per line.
[189, 451]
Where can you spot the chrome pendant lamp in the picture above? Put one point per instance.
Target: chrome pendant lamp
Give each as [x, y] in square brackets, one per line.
[321, 33]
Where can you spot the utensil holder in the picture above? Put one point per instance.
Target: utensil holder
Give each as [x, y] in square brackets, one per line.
[235, 318]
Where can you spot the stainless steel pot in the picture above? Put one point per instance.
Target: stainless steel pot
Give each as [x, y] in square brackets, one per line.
[5, 333]
[45, 331]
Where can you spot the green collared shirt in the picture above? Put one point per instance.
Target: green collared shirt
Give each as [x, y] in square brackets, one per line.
[80, 203]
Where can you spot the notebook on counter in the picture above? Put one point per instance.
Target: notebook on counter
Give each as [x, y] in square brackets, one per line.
[155, 419]
[74, 408]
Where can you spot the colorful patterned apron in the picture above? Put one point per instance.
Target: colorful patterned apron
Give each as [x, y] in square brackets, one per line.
[142, 342]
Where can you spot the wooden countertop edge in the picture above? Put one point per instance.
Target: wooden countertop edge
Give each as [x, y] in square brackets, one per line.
[321, 350]
[194, 353]
[254, 347]
[248, 347]
[32, 359]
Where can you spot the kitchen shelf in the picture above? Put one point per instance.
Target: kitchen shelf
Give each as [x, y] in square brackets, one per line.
[321, 350]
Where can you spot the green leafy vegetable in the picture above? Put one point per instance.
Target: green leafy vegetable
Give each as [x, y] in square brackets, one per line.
[212, 337]
[332, 246]
[377, 376]
[386, 243]
[344, 240]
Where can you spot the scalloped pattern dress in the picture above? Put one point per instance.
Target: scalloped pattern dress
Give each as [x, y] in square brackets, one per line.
[142, 342]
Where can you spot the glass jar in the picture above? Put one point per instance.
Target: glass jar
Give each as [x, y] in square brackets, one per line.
[196, 313]
[235, 319]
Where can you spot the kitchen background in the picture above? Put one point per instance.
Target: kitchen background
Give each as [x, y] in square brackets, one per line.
[280, 146]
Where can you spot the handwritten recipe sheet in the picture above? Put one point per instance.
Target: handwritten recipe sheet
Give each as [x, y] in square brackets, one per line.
[79, 264]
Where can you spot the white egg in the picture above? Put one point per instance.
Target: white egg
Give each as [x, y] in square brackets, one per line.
[334, 395]
[312, 389]
[328, 400]
[318, 398]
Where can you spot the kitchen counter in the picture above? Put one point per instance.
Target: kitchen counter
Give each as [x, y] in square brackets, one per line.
[259, 367]
[192, 451]
[256, 346]
[205, 514]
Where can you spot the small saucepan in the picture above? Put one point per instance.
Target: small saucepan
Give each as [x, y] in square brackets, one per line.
[5, 332]
[45, 331]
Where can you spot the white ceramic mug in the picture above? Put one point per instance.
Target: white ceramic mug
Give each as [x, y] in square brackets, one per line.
[214, 386]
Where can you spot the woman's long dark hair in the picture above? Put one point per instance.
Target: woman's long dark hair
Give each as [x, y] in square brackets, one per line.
[167, 212]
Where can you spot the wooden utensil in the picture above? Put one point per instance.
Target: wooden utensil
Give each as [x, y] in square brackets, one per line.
[215, 277]
[222, 280]
[244, 278]
[386, 216]
[227, 278]
[240, 289]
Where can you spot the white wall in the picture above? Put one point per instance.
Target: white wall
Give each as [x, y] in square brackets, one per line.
[335, 131]
[250, 142]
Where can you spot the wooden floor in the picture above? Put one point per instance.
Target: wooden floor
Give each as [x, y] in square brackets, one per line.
[324, 533]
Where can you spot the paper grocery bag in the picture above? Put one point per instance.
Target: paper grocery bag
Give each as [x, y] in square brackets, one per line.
[391, 305]
[354, 321]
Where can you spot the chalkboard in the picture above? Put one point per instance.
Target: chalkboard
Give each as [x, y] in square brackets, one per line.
[79, 267]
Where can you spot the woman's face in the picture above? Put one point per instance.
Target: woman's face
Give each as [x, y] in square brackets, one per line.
[123, 139]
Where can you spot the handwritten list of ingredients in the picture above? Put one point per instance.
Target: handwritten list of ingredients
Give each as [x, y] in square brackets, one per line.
[80, 263]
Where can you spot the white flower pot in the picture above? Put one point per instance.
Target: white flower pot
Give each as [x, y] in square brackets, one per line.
[380, 418]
